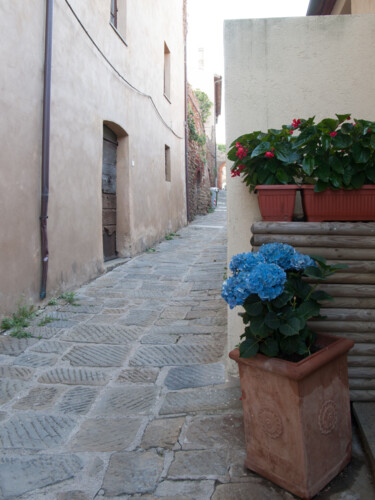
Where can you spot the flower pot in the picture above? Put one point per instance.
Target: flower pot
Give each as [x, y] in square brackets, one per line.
[276, 203]
[297, 416]
[340, 205]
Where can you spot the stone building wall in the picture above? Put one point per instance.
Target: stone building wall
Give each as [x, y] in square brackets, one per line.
[198, 176]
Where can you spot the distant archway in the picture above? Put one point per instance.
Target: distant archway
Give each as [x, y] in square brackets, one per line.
[222, 177]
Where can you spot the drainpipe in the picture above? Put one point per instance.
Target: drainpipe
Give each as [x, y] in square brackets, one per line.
[45, 145]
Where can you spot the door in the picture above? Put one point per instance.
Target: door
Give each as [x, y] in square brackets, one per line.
[109, 193]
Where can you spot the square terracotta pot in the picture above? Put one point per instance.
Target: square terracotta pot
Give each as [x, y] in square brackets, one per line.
[276, 203]
[340, 205]
[297, 416]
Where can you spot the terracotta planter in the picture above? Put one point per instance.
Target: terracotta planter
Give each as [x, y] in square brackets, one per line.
[297, 416]
[340, 205]
[276, 203]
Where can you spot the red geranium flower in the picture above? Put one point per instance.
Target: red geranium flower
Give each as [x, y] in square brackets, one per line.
[269, 154]
[333, 134]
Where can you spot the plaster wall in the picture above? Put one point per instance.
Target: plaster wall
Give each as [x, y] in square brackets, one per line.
[363, 7]
[86, 92]
[280, 69]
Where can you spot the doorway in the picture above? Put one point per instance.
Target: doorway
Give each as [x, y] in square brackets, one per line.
[109, 202]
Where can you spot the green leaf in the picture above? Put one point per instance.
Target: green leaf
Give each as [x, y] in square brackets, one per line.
[272, 321]
[371, 174]
[346, 128]
[326, 142]
[259, 328]
[270, 347]
[291, 327]
[321, 295]
[262, 148]
[342, 118]
[360, 154]
[282, 176]
[249, 348]
[336, 164]
[372, 141]
[308, 309]
[308, 165]
[305, 136]
[336, 180]
[323, 173]
[329, 124]
[282, 299]
[358, 180]
[285, 153]
[319, 259]
[342, 141]
[254, 309]
[289, 345]
[320, 186]
[313, 272]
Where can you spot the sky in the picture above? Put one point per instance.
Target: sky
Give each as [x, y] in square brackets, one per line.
[205, 30]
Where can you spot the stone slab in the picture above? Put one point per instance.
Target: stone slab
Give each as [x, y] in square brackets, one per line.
[74, 376]
[214, 432]
[12, 346]
[130, 473]
[72, 495]
[194, 490]
[18, 372]
[22, 475]
[258, 491]
[101, 334]
[162, 433]
[195, 376]
[50, 346]
[138, 375]
[77, 400]
[364, 413]
[105, 434]
[132, 400]
[35, 360]
[9, 389]
[97, 355]
[38, 398]
[141, 317]
[199, 464]
[221, 398]
[175, 355]
[35, 432]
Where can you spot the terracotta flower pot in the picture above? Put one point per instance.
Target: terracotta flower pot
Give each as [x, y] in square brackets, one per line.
[276, 203]
[297, 416]
[340, 205]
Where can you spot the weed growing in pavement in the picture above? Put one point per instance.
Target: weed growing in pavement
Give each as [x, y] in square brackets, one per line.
[52, 302]
[19, 321]
[170, 236]
[149, 250]
[70, 298]
[46, 320]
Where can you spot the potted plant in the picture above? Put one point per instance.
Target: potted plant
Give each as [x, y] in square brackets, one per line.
[294, 383]
[338, 168]
[269, 166]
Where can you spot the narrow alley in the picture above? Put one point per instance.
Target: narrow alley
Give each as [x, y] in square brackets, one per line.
[125, 395]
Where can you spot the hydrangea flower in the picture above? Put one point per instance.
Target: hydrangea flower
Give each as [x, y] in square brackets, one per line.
[236, 289]
[245, 262]
[267, 281]
[280, 254]
[300, 261]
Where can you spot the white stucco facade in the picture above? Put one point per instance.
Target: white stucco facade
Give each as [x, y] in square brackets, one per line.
[98, 76]
[280, 69]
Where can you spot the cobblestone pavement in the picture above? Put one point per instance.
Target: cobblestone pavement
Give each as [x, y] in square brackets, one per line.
[125, 394]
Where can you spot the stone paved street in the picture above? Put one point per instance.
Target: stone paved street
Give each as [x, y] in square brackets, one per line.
[125, 395]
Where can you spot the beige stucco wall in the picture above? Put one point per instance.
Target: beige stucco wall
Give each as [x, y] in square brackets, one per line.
[86, 91]
[280, 69]
[353, 7]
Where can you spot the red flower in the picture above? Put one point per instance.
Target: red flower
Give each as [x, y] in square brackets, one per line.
[291, 132]
[295, 123]
[369, 130]
[241, 151]
[269, 154]
[237, 171]
[333, 134]
[348, 117]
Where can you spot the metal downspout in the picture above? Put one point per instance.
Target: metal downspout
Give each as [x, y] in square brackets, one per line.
[45, 145]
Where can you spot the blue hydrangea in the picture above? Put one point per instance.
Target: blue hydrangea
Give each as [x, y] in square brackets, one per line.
[277, 253]
[300, 261]
[236, 289]
[267, 281]
[245, 262]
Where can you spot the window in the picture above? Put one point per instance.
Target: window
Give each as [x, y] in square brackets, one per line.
[118, 17]
[168, 163]
[167, 72]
